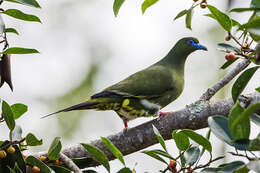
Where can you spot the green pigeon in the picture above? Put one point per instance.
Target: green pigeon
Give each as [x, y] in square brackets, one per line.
[145, 92]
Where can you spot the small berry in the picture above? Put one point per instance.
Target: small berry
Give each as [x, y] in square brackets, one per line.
[227, 38]
[246, 45]
[2, 154]
[203, 5]
[230, 56]
[43, 158]
[206, 166]
[36, 169]
[190, 170]
[58, 162]
[11, 149]
[173, 163]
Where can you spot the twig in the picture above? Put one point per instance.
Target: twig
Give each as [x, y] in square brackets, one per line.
[220, 84]
[241, 155]
[69, 163]
[235, 39]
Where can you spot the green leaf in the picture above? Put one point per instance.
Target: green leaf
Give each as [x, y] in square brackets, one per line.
[89, 171]
[98, 155]
[198, 139]
[210, 170]
[113, 149]
[8, 115]
[207, 137]
[244, 9]
[20, 50]
[258, 89]
[162, 153]
[242, 81]
[241, 131]
[255, 118]
[31, 140]
[234, 22]
[180, 14]
[18, 110]
[116, 6]
[228, 47]
[22, 16]
[241, 144]
[16, 133]
[18, 157]
[10, 169]
[147, 3]
[83, 162]
[243, 117]
[255, 3]
[223, 19]
[232, 166]
[155, 156]
[254, 165]
[228, 63]
[191, 155]
[2, 25]
[159, 138]
[55, 148]
[181, 140]
[188, 18]
[11, 30]
[254, 145]
[32, 3]
[219, 126]
[31, 160]
[125, 170]
[253, 26]
[59, 169]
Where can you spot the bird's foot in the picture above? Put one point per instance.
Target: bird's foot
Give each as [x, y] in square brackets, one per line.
[126, 126]
[163, 114]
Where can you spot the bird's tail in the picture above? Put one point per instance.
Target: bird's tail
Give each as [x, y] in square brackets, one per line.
[84, 105]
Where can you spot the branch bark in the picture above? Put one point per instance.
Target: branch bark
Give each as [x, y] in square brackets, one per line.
[193, 116]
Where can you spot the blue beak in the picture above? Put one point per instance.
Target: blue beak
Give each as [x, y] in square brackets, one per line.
[200, 47]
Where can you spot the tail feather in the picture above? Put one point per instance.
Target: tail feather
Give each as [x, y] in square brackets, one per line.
[81, 106]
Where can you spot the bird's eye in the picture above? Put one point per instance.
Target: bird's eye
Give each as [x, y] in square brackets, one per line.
[190, 42]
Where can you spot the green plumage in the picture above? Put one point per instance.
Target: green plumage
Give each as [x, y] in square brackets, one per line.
[145, 92]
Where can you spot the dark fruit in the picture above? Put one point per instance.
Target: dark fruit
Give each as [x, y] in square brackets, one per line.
[36, 169]
[10, 149]
[203, 5]
[227, 38]
[230, 56]
[2, 154]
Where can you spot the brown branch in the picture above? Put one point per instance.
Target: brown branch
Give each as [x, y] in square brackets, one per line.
[69, 163]
[142, 136]
[214, 89]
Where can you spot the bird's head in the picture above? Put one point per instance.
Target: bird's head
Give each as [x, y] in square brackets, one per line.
[190, 44]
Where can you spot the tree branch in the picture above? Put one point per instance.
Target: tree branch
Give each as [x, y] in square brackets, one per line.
[214, 89]
[69, 163]
[193, 116]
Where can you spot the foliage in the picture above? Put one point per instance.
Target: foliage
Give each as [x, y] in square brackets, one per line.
[234, 130]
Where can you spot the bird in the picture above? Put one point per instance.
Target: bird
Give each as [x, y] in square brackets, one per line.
[146, 92]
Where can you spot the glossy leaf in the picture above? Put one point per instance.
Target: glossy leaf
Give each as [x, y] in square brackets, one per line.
[210, 170]
[11, 30]
[22, 16]
[159, 138]
[20, 50]
[116, 6]
[18, 110]
[258, 89]
[31, 140]
[181, 140]
[255, 3]
[242, 130]
[234, 22]
[254, 145]
[147, 3]
[32, 3]
[10, 169]
[55, 148]
[191, 155]
[244, 9]
[162, 153]
[31, 160]
[98, 155]
[82, 162]
[18, 157]
[16, 133]
[59, 169]
[223, 19]
[8, 115]
[155, 156]
[232, 167]
[242, 81]
[188, 18]
[228, 63]
[180, 14]
[198, 139]
[219, 126]
[253, 26]
[241, 144]
[243, 117]
[254, 165]
[228, 47]
[113, 149]
[125, 170]
[207, 137]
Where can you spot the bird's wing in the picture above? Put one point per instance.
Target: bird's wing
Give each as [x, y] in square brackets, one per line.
[151, 82]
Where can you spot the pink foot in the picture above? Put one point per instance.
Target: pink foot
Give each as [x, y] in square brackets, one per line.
[126, 126]
[163, 114]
